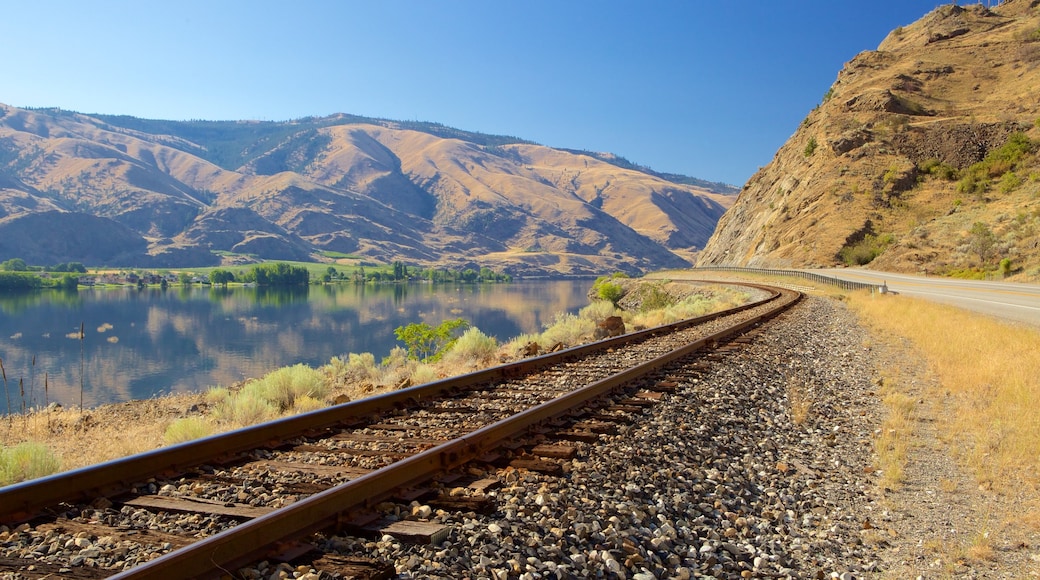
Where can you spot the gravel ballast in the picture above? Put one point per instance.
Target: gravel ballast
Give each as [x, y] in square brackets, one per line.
[721, 480]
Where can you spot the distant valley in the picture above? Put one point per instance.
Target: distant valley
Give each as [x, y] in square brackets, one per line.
[127, 192]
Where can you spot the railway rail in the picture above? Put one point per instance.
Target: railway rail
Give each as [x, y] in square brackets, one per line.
[345, 460]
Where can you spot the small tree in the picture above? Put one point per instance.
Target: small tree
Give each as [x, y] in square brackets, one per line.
[222, 277]
[426, 343]
[982, 241]
[612, 292]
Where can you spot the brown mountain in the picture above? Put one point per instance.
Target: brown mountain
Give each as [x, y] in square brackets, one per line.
[922, 157]
[138, 192]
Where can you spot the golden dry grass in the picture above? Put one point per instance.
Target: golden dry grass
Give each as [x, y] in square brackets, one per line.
[990, 373]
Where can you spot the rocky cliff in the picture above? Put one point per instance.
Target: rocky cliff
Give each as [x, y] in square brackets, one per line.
[922, 157]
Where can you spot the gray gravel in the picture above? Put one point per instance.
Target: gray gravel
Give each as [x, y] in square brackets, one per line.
[720, 481]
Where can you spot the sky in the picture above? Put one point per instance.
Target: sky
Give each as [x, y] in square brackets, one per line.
[706, 89]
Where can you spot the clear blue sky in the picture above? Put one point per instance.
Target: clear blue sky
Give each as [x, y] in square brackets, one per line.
[708, 89]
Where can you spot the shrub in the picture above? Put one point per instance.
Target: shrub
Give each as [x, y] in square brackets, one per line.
[1005, 267]
[982, 241]
[26, 461]
[358, 368]
[1009, 182]
[280, 388]
[997, 163]
[187, 429]
[423, 373]
[606, 289]
[244, 408]
[567, 329]
[864, 251]
[611, 292]
[810, 147]
[598, 310]
[307, 403]
[938, 169]
[426, 343]
[472, 346]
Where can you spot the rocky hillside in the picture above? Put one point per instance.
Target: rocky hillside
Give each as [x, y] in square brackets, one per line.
[121, 191]
[922, 157]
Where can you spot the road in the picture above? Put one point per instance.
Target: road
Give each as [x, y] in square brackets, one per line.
[1007, 300]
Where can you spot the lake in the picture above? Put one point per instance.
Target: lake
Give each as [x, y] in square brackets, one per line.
[141, 343]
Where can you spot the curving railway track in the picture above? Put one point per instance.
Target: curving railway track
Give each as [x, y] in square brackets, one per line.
[257, 493]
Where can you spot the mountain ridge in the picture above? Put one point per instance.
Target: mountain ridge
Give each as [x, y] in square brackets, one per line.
[380, 190]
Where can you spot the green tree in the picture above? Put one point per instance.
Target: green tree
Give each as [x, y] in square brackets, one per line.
[426, 343]
[280, 274]
[222, 277]
[15, 265]
[184, 278]
[69, 282]
[400, 271]
[982, 241]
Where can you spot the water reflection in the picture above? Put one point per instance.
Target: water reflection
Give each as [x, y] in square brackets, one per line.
[138, 343]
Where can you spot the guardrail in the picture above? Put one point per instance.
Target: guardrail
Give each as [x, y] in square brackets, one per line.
[811, 276]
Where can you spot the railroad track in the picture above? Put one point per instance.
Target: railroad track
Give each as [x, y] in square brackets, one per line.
[220, 503]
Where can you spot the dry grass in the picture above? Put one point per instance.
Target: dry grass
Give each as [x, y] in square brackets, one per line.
[799, 400]
[983, 404]
[894, 437]
[27, 460]
[990, 376]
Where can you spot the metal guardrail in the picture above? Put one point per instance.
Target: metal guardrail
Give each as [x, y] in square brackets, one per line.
[811, 276]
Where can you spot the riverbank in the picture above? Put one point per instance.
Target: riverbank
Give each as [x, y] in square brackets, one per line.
[83, 437]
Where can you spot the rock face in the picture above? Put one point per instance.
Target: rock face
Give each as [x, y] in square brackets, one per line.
[377, 190]
[883, 170]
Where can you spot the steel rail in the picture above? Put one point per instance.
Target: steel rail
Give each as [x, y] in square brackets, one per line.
[25, 500]
[225, 552]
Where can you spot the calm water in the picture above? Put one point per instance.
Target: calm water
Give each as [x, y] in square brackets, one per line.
[139, 343]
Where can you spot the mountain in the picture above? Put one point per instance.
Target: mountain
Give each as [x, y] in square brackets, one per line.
[123, 191]
[921, 158]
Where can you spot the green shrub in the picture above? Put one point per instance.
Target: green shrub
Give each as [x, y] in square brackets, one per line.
[966, 273]
[27, 461]
[810, 147]
[187, 429]
[866, 250]
[938, 169]
[998, 162]
[1005, 267]
[1009, 182]
[426, 343]
[606, 289]
[610, 292]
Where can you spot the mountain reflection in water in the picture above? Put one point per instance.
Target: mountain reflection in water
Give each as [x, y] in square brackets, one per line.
[141, 343]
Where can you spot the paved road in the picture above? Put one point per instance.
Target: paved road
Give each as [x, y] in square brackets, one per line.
[1008, 300]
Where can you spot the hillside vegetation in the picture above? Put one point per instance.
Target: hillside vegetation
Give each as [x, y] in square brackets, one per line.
[922, 157]
[122, 191]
